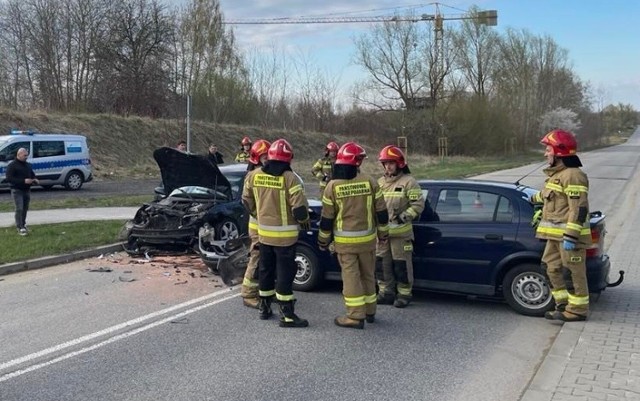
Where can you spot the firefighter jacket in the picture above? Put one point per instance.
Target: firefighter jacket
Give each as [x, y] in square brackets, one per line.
[323, 170]
[274, 201]
[355, 211]
[253, 221]
[405, 203]
[242, 157]
[565, 210]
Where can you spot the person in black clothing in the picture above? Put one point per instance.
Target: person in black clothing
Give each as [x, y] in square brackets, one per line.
[20, 176]
[215, 156]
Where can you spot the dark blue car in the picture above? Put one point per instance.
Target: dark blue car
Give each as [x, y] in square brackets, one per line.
[474, 238]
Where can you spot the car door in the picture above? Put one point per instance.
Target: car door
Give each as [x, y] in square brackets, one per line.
[459, 243]
[9, 153]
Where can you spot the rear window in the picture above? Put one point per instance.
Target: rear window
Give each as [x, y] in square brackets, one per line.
[48, 148]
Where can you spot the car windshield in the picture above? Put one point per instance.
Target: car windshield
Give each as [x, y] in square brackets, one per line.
[196, 192]
[235, 179]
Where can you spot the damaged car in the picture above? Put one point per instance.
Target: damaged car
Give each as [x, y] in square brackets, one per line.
[195, 195]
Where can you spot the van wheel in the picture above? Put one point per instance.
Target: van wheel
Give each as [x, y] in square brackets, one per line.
[73, 181]
[527, 290]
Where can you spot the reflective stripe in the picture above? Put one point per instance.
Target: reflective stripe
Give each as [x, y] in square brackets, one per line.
[370, 299]
[294, 189]
[411, 212]
[576, 190]
[414, 194]
[404, 290]
[554, 187]
[327, 201]
[560, 295]
[324, 234]
[247, 282]
[393, 194]
[558, 229]
[354, 240]
[574, 226]
[399, 228]
[253, 223]
[360, 233]
[285, 298]
[578, 299]
[288, 231]
[269, 293]
[283, 207]
[354, 301]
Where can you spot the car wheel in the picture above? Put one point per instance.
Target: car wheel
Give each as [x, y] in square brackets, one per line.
[74, 180]
[226, 229]
[526, 289]
[309, 275]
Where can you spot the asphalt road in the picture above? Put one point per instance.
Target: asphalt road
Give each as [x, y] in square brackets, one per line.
[76, 335]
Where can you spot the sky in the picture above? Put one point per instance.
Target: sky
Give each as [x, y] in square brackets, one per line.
[602, 36]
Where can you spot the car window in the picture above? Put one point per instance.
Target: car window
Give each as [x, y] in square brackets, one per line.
[456, 205]
[10, 151]
[48, 148]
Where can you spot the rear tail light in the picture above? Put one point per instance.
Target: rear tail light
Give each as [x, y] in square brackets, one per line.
[597, 240]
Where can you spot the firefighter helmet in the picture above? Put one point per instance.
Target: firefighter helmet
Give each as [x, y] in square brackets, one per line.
[392, 153]
[246, 141]
[280, 150]
[259, 148]
[563, 142]
[332, 147]
[351, 154]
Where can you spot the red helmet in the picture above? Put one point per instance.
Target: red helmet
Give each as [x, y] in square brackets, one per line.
[392, 153]
[351, 154]
[246, 141]
[259, 148]
[332, 147]
[280, 150]
[562, 142]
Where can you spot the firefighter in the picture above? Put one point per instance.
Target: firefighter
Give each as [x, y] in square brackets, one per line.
[354, 210]
[249, 291]
[245, 150]
[323, 168]
[565, 225]
[275, 196]
[405, 203]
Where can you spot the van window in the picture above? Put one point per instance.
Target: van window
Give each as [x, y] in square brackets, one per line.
[10, 151]
[48, 148]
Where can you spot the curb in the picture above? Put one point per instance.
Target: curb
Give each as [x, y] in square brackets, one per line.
[48, 261]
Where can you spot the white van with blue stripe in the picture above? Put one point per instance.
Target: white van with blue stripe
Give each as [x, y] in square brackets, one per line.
[57, 159]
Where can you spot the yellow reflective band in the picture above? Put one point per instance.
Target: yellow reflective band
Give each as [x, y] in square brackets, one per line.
[408, 247]
[404, 290]
[412, 212]
[391, 194]
[560, 295]
[414, 194]
[574, 226]
[288, 231]
[294, 189]
[554, 187]
[369, 212]
[577, 188]
[269, 293]
[370, 299]
[354, 240]
[352, 189]
[247, 282]
[400, 229]
[379, 194]
[327, 201]
[537, 198]
[578, 299]
[354, 301]
[575, 259]
[285, 298]
[268, 181]
[383, 228]
[324, 234]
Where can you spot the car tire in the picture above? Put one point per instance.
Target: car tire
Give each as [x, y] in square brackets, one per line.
[526, 289]
[226, 229]
[74, 180]
[309, 275]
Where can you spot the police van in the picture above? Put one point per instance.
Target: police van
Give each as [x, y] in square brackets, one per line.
[56, 159]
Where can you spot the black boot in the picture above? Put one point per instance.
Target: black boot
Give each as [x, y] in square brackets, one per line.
[555, 314]
[385, 298]
[289, 318]
[265, 307]
[402, 301]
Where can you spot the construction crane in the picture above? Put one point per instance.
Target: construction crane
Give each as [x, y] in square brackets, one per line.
[488, 17]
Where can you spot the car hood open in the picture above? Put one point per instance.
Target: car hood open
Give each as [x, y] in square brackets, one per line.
[179, 169]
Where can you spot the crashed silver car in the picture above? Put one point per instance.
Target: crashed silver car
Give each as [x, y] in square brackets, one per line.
[198, 195]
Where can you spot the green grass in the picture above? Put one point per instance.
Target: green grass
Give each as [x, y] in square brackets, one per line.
[55, 239]
[70, 203]
[467, 167]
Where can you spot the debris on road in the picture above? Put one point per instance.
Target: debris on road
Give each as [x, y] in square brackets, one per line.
[100, 270]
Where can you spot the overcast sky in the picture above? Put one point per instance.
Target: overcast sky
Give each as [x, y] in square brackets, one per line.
[603, 37]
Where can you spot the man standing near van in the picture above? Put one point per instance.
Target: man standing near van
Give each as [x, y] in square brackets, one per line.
[20, 176]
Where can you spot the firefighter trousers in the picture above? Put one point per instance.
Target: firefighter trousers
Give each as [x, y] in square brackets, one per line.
[277, 269]
[394, 267]
[250, 282]
[555, 257]
[358, 283]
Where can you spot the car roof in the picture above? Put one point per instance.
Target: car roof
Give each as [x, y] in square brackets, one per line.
[481, 183]
[233, 168]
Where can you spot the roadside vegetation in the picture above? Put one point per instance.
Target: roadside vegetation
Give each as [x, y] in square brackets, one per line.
[56, 239]
[70, 203]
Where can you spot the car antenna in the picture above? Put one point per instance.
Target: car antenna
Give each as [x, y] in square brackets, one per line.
[530, 172]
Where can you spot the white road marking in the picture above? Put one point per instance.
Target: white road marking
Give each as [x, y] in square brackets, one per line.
[107, 331]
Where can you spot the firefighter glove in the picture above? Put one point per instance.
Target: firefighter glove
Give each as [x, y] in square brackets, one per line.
[568, 245]
[537, 216]
[305, 225]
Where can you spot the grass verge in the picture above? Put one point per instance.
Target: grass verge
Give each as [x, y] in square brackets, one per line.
[56, 239]
[70, 203]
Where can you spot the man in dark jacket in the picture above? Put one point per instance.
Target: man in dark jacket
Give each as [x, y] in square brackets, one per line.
[20, 176]
[214, 156]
